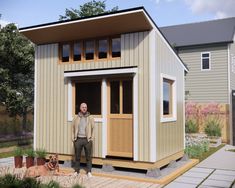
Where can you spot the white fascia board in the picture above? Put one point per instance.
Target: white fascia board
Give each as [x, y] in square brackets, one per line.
[82, 20]
[101, 72]
[168, 45]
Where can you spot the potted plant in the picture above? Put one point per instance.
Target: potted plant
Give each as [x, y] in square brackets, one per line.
[213, 131]
[18, 157]
[30, 154]
[41, 156]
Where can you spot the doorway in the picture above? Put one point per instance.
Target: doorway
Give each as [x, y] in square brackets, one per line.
[120, 118]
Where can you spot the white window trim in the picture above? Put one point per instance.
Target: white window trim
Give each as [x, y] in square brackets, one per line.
[206, 58]
[174, 100]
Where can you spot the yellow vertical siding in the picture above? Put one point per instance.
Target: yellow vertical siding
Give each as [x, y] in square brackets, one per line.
[53, 131]
[170, 135]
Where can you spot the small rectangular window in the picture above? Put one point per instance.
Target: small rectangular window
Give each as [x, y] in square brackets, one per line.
[77, 51]
[127, 96]
[102, 49]
[65, 52]
[205, 61]
[90, 93]
[116, 47]
[167, 97]
[89, 49]
[115, 97]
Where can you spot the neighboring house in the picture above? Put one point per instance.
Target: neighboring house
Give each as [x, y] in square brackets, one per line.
[208, 50]
[130, 77]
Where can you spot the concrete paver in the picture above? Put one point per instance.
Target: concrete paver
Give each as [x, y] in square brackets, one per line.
[222, 159]
[196, 174]
[221, 177]
[191, 180]
[180, 185]
[226, 172]
[201, 170]
[216, 183]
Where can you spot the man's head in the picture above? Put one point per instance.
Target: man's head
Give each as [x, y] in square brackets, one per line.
[83, 108]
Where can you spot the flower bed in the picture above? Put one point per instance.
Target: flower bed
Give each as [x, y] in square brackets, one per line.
[196, 145]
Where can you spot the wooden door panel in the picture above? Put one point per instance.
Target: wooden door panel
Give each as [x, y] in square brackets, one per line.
[120, 137]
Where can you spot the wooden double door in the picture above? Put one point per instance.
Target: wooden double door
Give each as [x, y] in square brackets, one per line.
[120, 118]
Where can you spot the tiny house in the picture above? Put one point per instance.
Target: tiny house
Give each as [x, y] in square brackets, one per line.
[122, 66]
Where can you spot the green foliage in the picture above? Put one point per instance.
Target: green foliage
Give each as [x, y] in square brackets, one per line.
[16, 72]
[197, 150]
[18, 152]
[30, 152]
[30, 183]
[213, 128]
[11, 126]
[9, 181]
[87, 9]
[191, 126]
[77, 186]
[53, 184]
[41, 153]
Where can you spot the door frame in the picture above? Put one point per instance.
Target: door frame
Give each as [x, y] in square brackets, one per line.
[105, 73]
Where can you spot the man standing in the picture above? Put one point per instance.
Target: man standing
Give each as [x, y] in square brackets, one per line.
[82, 136]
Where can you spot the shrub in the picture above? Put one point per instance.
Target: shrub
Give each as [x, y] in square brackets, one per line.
[30, 152]
[18, 152]
[41, 153]
[53, 184]
[77, 186]
[9, 180]
[212, 128]
[191, 126]
[30, 183]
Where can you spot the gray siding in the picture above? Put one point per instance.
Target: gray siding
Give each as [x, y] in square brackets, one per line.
[206, 86]
[232, 65]
[170, 135]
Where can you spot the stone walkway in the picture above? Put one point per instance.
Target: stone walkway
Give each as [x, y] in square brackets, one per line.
[218, 170]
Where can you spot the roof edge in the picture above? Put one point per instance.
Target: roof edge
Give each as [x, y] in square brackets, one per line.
[83, 18]
[203, 44]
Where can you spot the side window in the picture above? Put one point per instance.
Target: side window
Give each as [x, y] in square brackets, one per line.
[205, 61]
[168, 98]
[65, 52]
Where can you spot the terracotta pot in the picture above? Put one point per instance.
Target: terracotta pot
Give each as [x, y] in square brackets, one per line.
[18, 161]
[41, 161]
[29, 162]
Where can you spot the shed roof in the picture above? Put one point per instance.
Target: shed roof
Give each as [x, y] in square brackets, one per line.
[215, 31]
[124, 21]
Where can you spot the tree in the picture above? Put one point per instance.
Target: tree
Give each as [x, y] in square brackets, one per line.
[88, 9]
[16, 72]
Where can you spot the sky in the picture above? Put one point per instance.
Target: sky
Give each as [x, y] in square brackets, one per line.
[164, 12]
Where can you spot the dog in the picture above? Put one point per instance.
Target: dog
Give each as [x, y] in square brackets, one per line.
[49, 169]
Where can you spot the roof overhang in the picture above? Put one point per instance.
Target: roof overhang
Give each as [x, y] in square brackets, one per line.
[132, 20]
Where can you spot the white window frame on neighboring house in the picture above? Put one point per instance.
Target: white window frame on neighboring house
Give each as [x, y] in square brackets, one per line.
[205, 58]
[173, 115]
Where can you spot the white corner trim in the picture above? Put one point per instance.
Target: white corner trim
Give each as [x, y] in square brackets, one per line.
[104, 117]
[70, 116]
[101, 72]
[230, 98]
[164, 40]
[209, 61]
[174, 117]
[152, 96]
[35, 103]
[135, 117]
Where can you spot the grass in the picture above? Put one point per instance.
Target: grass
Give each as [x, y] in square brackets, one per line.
[232, 150]
[210, 152]
[7, 154]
